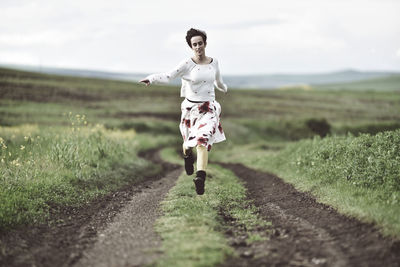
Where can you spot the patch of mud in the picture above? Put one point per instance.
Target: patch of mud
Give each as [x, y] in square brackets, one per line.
[307, 233]
[238, 238]
[62, 240]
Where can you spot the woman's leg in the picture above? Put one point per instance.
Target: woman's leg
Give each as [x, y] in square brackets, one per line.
[189, 160]
[202, 158]
[185, 150]
[202, 161]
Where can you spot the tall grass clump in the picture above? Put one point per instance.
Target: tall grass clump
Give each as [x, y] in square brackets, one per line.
[51, 167]
[367, 161]
[360, 176]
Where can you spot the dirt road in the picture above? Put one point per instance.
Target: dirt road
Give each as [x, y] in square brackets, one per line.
[307, 233]
[130, 239]
[111, 231]
[117, 230]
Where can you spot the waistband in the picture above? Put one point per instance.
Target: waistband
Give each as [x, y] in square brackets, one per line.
[195, 101]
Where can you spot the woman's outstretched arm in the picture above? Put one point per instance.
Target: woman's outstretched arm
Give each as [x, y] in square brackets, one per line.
[166, 77]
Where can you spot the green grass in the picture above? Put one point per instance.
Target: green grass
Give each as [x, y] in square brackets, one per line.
[46, 168]
[32, 97]
[47, 163]
[192, 225]
[335, 106]
[360, 176]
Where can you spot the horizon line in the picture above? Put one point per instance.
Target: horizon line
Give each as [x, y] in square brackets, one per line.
[275, 73]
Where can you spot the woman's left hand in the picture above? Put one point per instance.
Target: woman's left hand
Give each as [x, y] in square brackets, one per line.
[145, 81]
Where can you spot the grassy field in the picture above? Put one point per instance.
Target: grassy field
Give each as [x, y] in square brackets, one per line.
[64, 143]
[43, 169]
[66, 140]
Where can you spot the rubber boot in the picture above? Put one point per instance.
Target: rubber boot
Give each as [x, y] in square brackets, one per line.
[199, 182]
[189, 161]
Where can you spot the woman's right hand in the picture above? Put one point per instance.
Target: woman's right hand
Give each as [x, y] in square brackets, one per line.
[145, 81]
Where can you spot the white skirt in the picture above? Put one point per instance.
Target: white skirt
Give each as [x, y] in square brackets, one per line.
[200, 124]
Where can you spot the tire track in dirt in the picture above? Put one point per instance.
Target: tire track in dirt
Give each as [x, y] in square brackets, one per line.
[64, 241]
[130, 240]
[308, 233]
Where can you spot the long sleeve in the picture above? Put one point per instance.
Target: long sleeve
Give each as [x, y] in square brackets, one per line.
[219, 83]
[166, 77]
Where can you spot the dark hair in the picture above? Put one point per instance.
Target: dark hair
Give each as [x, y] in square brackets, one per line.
[195, 32]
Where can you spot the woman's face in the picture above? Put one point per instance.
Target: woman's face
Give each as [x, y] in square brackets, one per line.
[198, 45]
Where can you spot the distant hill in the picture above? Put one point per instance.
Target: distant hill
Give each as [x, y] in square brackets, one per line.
[287, 80]
[387, 83]
[79, 72]
[333, 80]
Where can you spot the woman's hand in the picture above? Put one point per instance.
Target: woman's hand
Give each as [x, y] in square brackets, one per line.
[145, 81]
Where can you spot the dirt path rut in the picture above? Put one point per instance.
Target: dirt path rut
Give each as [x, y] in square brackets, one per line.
[130, 239]
[307, 233]
[114, 230]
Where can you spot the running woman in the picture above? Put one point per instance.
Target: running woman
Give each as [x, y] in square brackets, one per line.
[200, 124]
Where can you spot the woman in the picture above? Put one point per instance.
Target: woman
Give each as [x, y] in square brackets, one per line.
[200, 120]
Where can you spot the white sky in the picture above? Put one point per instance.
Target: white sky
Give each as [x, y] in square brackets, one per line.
[247, 37]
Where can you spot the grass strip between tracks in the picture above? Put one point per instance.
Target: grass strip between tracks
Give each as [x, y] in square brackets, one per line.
[192, 226]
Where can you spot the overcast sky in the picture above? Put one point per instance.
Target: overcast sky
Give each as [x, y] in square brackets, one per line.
[247, 37]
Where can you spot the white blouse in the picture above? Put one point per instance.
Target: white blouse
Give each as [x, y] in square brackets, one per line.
[198, 80]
